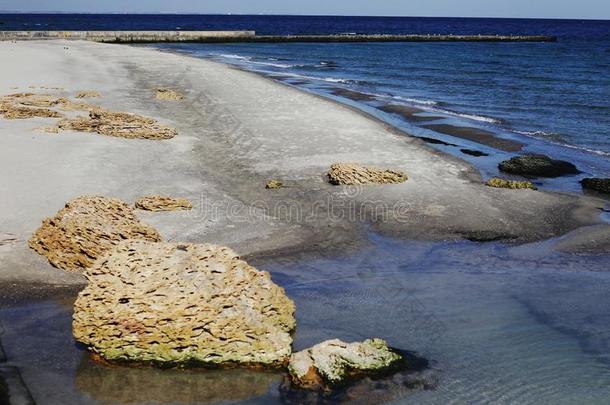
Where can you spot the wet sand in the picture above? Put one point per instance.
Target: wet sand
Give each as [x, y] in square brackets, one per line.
[409, 113]
[477, 135]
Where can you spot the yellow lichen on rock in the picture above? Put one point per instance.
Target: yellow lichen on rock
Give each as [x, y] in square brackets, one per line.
[86, 228]
[88, 94]
[353, 174]
[162, 203]
[274, 185]
[118, 124]
[511, 184]
[173, 304]
[168, 95]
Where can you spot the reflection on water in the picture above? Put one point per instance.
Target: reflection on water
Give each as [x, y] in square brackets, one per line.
[500, 324]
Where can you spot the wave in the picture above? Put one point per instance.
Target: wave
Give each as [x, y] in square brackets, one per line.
[473, 117]
[556, 139]
[415, 100]
[316, 78]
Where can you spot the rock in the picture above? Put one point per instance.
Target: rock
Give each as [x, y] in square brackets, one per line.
[169, 95]
[88, 94]
[30, 105]
[119, 124]
[596, 184]
[171, 304]
[352, 174]
[334, 363]
[473, 152]
[537, 165]
[512, 184]
[162, 203]
[86, 229]
[274, 184]
[12, 112]
[49, 130]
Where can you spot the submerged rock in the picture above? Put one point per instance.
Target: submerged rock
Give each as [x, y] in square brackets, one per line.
[169, 95]
[179, 304]
[274, 184]
[353, 174]
[596, 184]
[334, 363]
[119, 124]
[512, 184]
[537, 165]
[162, 203]
[85, 229]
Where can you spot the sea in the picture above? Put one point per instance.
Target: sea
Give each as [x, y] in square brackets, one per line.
[500, 323]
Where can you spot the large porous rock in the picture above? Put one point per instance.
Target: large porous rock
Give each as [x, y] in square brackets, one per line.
[334, 363]
[85, 229]
[353, 174]
[162, 203]
[537, 166]
[178, 304]
[595, 184]
[119, 124]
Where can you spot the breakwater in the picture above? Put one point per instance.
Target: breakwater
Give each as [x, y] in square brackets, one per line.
[250, 36]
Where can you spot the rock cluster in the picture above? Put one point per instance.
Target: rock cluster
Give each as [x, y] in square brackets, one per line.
[30, 105]
[353, 174]
[118, 124]
[538, 166]
[169, 95]
[333, 363]
[162, 203]
[512, 184]
[180, 303]
[85, 229]
[596, 184]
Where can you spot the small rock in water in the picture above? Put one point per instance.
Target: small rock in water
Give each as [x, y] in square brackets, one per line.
[353, 174]
[537, 165]
[334, 363]
[274, 184]
[596, 184]
[162, 203]
[473, 152]
[169, 304]
[169, 95]
[512, 184]
[85, 229]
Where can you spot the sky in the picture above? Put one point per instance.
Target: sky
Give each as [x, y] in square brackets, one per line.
[589, 9]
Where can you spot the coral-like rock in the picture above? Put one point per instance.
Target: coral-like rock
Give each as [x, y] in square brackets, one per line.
[85, 229]
[169, 95]
[162, 203]
[512, 184]
[352, 174]
[119, 124]
[88, 94]
[537, 165]
[595, 184]
[11, 112]
[178, 304]
[274, 184]
[333, 363]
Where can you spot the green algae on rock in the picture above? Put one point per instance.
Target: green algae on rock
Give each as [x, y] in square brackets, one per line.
[354, 174]
[174, 305]
[512, 184]
[537, 165]
[333, 363]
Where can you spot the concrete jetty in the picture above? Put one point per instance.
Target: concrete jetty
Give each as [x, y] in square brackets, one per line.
[250, 36]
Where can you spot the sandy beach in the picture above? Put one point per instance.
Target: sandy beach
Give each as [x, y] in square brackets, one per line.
[236, 131]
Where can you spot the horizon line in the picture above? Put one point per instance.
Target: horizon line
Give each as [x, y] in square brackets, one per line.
[297, 15]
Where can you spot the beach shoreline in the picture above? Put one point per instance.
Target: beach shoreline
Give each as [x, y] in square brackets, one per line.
[238, 130]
